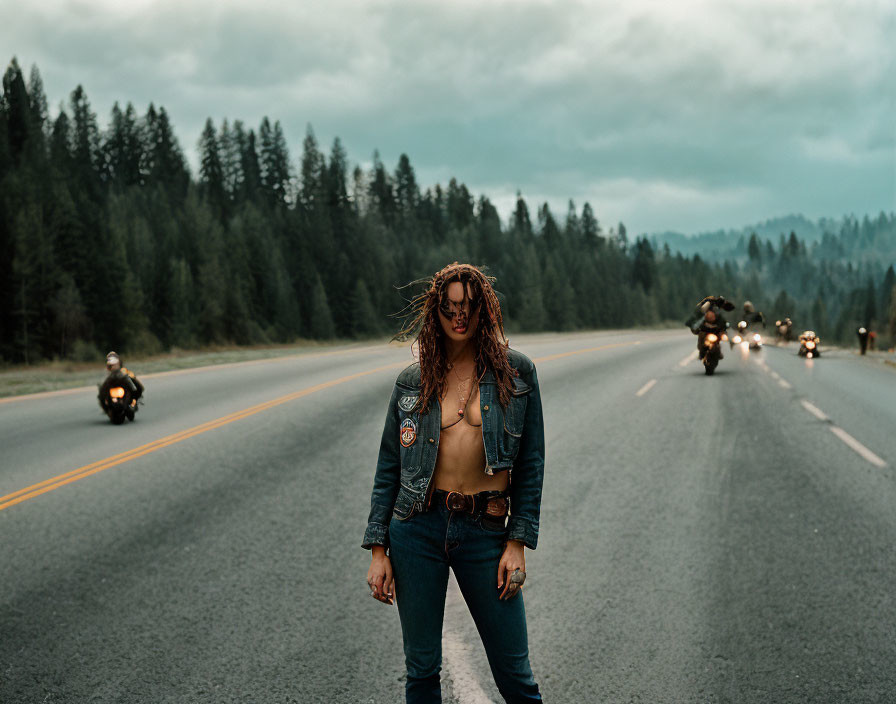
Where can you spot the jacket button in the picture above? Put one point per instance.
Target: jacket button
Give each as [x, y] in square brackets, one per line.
[485, 407]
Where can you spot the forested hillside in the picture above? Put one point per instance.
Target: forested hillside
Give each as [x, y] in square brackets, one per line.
[109, 241]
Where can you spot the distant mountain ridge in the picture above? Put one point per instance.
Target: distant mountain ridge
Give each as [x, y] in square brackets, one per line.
[722, 243]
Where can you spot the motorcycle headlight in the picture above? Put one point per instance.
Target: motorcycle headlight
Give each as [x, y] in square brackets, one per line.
[737, 339]
[116, 392]
[810, 345]
[757, 337]
[712, 338]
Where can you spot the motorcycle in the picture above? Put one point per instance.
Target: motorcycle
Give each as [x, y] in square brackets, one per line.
[755, 341]
[116, 396]
[809, 343]
[739, 336]
[783, 330]
[712, 353]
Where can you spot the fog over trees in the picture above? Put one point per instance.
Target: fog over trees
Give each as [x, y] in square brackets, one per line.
[108, 241]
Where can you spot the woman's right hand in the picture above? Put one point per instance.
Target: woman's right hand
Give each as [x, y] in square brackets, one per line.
[379, 576]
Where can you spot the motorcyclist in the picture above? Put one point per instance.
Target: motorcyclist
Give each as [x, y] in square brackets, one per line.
[115, 368]
[863, 335]
[708, 318]
[751, 315]
[783, 329]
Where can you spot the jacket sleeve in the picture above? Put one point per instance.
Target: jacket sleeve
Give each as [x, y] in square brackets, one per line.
[528, 472]
[386, 481]
[695, 322]
[140, 388]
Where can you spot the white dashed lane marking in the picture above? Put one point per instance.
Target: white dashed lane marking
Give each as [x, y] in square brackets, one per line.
[814, 410]
[857, 446]
[784, 384]
[458, 649]
[848, 439]
[647, 387]
[687, 360]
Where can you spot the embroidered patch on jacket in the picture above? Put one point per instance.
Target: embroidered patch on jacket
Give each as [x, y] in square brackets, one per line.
[408, 433]
[406, 403]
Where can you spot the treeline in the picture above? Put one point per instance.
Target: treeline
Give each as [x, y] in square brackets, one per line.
[108, 241]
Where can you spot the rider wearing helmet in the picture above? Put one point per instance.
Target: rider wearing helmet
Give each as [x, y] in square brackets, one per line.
[114, 366]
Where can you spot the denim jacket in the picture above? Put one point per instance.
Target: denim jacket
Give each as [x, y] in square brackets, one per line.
[513, 438]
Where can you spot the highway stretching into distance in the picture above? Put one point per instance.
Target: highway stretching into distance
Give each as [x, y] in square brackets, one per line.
[703, 539]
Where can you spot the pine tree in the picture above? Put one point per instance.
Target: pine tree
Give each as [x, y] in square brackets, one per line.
[86, 147]
[69, 314]
[211, 169]
[886, 286]
[16, 109]
[182, 325]
[522, 224]
[123, 148]
[39, 113]
[164, 162]
[590, 229]
[275, 172]
[754, 251]
[382, 197]
[549, 230]
[249, 164]
[364, 319]
[322, 327]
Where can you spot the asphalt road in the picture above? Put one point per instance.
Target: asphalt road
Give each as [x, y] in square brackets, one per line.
[704, 539]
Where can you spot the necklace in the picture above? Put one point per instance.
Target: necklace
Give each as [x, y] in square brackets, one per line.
[462, 390]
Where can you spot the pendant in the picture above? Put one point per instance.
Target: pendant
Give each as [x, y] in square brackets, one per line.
[460, 412]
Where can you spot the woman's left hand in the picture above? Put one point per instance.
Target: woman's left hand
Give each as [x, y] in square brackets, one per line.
[512, 560]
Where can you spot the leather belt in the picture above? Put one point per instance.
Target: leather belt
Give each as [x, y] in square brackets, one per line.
[493, 503]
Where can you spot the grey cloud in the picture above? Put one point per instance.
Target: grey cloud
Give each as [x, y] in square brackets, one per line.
[758, 105]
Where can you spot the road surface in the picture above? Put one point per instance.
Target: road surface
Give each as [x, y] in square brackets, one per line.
[704, 539]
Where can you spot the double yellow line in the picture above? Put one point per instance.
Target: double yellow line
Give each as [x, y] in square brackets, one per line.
[43, 487]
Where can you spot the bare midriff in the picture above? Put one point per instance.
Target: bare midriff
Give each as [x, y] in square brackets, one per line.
[460, 464]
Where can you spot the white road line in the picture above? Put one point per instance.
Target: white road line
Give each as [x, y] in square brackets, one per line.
[687, 360]
[857, 446]
[775, 375]
[456, 650]
[814, 410]
[647, 387]
[784, 384]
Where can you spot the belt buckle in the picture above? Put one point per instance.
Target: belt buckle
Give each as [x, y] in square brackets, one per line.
[455, 501]
[496, 507]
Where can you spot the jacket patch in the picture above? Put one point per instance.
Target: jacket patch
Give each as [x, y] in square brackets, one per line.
[408, 434]
[406, 403]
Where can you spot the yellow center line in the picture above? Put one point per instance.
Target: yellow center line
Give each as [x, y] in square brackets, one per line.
[90, 469]
[74, 475]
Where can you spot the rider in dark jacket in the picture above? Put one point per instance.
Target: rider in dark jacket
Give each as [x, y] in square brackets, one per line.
[708, 317]
[752, 316]
[115, 368]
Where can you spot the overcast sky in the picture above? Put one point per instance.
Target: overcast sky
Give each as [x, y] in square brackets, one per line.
[684, 115]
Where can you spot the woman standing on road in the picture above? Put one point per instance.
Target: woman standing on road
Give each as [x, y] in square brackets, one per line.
[462, 447]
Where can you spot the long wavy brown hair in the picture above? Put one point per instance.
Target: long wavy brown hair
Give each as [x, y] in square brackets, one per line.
[489, 340]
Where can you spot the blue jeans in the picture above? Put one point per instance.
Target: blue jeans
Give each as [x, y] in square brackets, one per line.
[423, 547]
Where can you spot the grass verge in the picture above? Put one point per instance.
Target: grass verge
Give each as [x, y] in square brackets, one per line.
[57, 375]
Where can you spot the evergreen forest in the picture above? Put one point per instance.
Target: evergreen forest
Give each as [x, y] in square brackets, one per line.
[109, 241]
